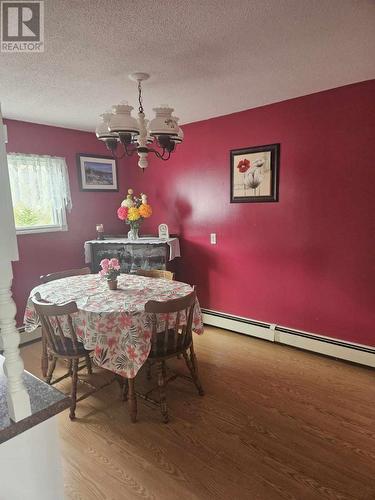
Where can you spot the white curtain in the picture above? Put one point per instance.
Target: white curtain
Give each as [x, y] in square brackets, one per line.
[39, 181]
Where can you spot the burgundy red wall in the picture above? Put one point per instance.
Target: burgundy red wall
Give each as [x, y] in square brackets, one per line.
[48, 252]
[305, 262]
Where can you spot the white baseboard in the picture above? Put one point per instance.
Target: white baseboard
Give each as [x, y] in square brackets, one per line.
[237, 324]
[28, 337]
[25, 337]
[356, 353]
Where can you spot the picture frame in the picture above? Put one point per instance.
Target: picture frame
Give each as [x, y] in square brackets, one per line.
[163, 232]
[254, 174]
[97, 173]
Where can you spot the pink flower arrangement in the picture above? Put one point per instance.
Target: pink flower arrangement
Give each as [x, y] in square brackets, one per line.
[122, 213]
[110, 269]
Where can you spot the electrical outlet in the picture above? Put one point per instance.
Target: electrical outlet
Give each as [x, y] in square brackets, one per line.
[213, 238]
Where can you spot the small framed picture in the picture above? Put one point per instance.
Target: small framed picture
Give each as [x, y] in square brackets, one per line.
[163, 232]
[97, 173]
[254, 174]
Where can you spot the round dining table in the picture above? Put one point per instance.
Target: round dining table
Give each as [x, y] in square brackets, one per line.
[113, 323]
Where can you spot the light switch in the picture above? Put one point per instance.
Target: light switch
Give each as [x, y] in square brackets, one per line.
[213, 238]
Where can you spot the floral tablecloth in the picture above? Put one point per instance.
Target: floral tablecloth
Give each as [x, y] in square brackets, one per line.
[113, 323]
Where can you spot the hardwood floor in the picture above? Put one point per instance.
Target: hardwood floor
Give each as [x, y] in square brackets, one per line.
[275, 423]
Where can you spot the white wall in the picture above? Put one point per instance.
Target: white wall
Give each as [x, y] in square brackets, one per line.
[30, 465]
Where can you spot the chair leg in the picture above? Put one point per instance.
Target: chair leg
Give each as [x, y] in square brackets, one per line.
[194, 361]
[72, 414]
[191, 363]
[132, 400]
[125, 389]
[161, 383]
[51, 369]
[148, 366]
[89, 364]
[120, 380]
[44, 357]
[70, 364]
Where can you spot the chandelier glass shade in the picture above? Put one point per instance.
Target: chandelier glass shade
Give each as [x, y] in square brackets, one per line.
[139, 134]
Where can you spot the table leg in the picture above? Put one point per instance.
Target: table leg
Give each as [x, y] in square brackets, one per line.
[44, 358]
[132, 398]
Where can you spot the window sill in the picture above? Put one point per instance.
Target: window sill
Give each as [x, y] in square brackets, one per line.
[40, 229]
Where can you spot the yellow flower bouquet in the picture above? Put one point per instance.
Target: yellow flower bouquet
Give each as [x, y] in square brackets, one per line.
[133, 210]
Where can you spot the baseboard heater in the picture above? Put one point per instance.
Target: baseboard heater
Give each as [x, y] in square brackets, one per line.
[25, 338]
[356, 353]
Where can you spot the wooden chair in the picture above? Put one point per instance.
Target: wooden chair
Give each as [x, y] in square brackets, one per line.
[167, 344]
[46, 278]
[60, 345]
[156, 273]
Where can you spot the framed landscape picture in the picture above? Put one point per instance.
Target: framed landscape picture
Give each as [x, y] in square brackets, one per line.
[254, 174]
[97, 173]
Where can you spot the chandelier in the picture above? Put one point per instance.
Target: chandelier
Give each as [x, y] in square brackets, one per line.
[138, 134]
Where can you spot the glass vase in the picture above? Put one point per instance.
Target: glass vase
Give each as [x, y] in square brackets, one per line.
[133, 233]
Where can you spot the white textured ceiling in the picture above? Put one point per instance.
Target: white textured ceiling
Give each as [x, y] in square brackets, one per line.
[206, 57]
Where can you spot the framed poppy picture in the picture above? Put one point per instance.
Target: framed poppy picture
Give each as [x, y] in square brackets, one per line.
[254, 174]
[97, 173]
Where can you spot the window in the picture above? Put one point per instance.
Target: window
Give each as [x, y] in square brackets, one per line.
[40, 192]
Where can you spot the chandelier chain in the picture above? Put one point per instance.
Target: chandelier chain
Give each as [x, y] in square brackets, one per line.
[140, 97]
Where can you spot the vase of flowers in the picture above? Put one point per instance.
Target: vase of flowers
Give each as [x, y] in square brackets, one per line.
[133, 211]
[110, 271]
